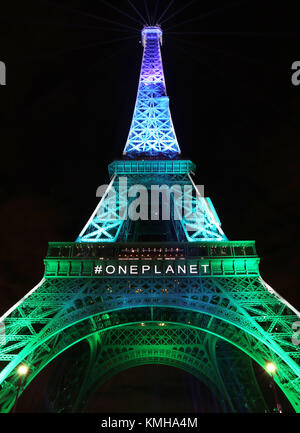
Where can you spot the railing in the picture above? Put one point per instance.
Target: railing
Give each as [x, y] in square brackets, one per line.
[151, 249]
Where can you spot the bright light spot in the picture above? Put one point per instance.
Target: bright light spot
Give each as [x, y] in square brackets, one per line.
[161, 324]
[22, 370]
[271, 367]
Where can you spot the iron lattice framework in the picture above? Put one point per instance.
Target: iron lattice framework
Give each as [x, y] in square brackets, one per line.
[198, 220]
[189, 298]
[201, 354]
[152, 132]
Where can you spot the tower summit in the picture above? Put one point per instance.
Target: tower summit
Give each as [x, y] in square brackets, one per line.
[152, 132]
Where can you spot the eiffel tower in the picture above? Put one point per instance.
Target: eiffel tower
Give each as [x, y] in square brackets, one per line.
[136, 291]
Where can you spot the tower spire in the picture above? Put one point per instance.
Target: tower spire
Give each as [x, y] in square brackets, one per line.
[152, 132]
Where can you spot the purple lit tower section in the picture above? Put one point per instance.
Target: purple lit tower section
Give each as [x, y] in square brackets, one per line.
[152, 132]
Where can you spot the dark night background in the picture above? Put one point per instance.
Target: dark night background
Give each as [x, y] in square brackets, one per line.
[72, 75]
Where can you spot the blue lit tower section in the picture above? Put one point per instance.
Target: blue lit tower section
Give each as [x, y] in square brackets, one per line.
[152, 132]
[152, 152]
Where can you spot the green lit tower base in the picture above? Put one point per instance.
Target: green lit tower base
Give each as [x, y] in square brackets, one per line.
[175, 292]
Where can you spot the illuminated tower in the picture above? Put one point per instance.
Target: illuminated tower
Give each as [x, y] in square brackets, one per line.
[153, 289]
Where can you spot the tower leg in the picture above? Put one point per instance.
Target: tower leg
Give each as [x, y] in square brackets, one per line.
[93, 341]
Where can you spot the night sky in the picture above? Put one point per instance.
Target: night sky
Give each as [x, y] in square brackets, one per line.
[72, 75]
